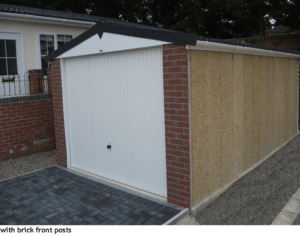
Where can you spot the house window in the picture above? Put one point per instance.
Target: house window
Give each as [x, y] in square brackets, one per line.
[49, 43]
[8, 57]
[63, 39]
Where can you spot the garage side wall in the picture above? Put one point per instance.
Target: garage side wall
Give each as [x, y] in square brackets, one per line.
[177, 123]
[243, 107]
[58, 113]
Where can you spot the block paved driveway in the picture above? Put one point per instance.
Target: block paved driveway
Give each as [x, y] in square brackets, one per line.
[54, 196]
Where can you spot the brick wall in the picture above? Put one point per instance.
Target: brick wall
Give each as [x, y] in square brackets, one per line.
[175, 69]
[26, 126]
[55, 84]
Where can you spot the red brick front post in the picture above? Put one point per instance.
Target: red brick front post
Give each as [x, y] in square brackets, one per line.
[175, 69]
[55, 84]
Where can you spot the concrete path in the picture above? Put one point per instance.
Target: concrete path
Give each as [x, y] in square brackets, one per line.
[54, 196]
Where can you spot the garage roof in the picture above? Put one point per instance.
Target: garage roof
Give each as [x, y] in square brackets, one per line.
[145, 32]
[121, 27]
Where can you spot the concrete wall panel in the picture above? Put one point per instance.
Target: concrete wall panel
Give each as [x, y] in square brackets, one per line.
[227, 121]
[263, 107]
[199, 124]
[238, 83]
[243, 107]
[256, 108]
[247, 106]
[287, 101]
[214, 118]
[294, 92]
[270, 140]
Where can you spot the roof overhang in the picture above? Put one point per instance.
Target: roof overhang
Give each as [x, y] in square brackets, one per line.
[44, 19]
[166, 36]
[221, 47]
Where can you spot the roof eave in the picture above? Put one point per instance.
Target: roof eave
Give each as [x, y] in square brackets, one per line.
[222, 47]
[44, 19]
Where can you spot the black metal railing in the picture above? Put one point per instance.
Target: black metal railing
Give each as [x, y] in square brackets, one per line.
[34, 82]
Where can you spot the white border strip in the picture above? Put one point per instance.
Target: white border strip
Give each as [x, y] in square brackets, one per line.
[221, 47]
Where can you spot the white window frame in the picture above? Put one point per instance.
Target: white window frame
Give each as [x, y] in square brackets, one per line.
[38, 47]
[21, 62]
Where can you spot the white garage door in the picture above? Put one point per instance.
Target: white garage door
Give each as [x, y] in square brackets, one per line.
[117, 99]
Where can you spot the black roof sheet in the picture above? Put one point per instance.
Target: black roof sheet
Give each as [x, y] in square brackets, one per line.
[72, 16]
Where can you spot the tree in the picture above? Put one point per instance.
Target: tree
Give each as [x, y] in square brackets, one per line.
[287, 13]
[208, 18]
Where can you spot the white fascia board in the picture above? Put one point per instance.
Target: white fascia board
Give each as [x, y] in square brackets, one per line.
[43, 19]
[109, 43]
[220, 47]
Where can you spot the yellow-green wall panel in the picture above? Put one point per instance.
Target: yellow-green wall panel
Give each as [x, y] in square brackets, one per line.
[263, 107]
[198, 78]
[238, 73]
[256, 109]
[227, 120]
[247, 105]
[287, 100]
[214, 120]
[270, 141]
[294, 92]
[243, 107]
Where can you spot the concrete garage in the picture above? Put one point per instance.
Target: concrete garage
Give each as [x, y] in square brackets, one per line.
[171, 114]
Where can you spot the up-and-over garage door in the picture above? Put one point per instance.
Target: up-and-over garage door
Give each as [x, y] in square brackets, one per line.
[117, 99]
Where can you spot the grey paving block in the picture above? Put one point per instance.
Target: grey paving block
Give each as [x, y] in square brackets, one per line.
[111, 217]
[127, 222]
[149, 223]
[77, 219]
[159, 215]
[152, 213]
[88, 219]
[55, 196]
[117, 222]
[103, 213]
[139, 222]
[122, 216]
[156, 220]
[51, 215]
[44, 221]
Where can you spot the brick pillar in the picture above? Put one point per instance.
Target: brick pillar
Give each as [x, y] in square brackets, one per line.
[58, 112]
[175, 69]
[35, 83]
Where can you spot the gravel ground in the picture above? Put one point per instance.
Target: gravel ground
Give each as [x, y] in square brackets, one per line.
[22, 165]
[259, 196]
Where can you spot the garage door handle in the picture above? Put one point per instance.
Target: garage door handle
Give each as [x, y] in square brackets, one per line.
[108, 146]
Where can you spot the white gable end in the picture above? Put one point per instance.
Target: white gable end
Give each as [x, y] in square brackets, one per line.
[109, 43]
